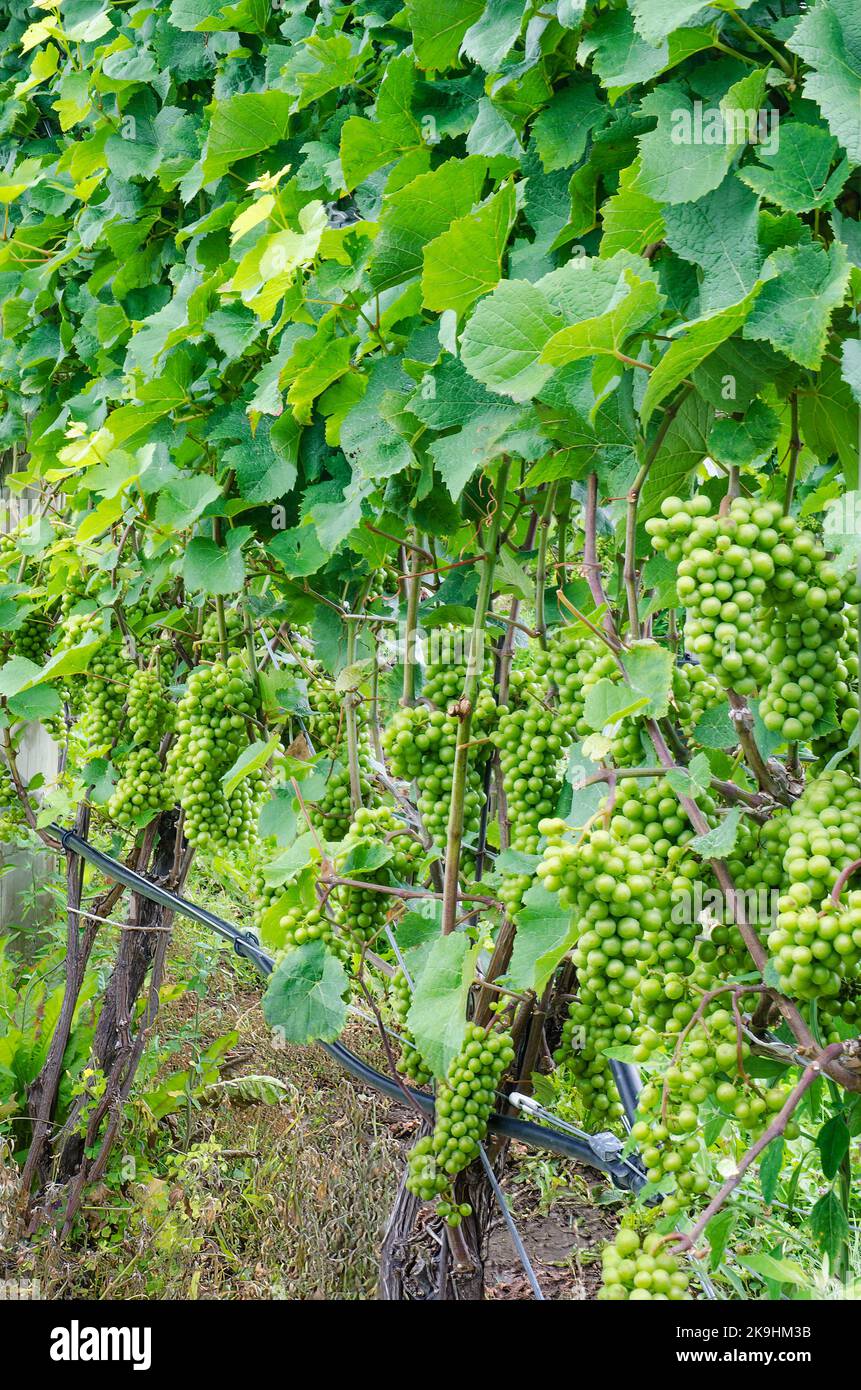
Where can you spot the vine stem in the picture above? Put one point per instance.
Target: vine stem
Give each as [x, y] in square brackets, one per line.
[688, 1239]
[795, 443]
[762, 41]
[844, 878]
[22, 792]
[335, 881]
[629, 572]
[742, 719]
[412, 566]
[541, 565]
[502, 682]
[590, 557]
[464, 707]
[352, 726]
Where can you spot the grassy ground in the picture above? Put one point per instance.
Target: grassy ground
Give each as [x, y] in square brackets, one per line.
[231, 1198]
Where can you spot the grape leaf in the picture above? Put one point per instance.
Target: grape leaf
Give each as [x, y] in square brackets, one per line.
[678, 162]
[213, 568]
[504, 338]
[620, 56]
[438, 29]
[685, 353]
[631, 308]
[794, 308]
[828, 1223]
[251, 759]
[305, 997]
[832, 1142]
[828, 38]
[491, 37]
[743, 442]
[717, 1233]
[631, 221]
[769, 1170]
[683, 450]
[561, 131]
[720, 841]
[420, 211]
[658, 19]
[718, 234]
[777, 1271]
[465, 261]
[243, 125]
[795, 176]
[852, 366]
[437, 1015]
[608, 701]
[545, 931]
[649, 668]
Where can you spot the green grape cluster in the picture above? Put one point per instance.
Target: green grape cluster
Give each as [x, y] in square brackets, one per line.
[709, 1067]
[723, 570]
[636, 1269]
[299, 925]
[327, 728]
[663, 1005]
[695, 692]
[420, 745]
[144, 789]
[571, 665]
[765, 607]
[327, 723]
[411, 1063]
[210, 639]
[9, 553]
[261, 894]
[845, 691]
[626, 749]
[104, 697]
[586, 1035]
[362, 912]
[817, 951]
[211, 734]
[384, 582]
[840, 1017]
[524, 687]
[512, 890]
[465, 1102]
[816, 943]
[648, 818]
[75, 629]
[31, 639]
[612, 892]
[444, 679]
[11, 812]
[530, 749]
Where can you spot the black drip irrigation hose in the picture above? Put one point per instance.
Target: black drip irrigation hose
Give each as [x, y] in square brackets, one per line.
[604, 1152]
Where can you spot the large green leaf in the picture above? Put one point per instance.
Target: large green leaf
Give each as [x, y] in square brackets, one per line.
[437, 1015]
[685, 353]
[505, 337]
[828, 38]
[244, 125]
[304, 1000]
[465, 261]
[794, 308]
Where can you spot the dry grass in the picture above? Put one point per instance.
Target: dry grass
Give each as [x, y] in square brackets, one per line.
[285, 1201]
[266, 1202]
